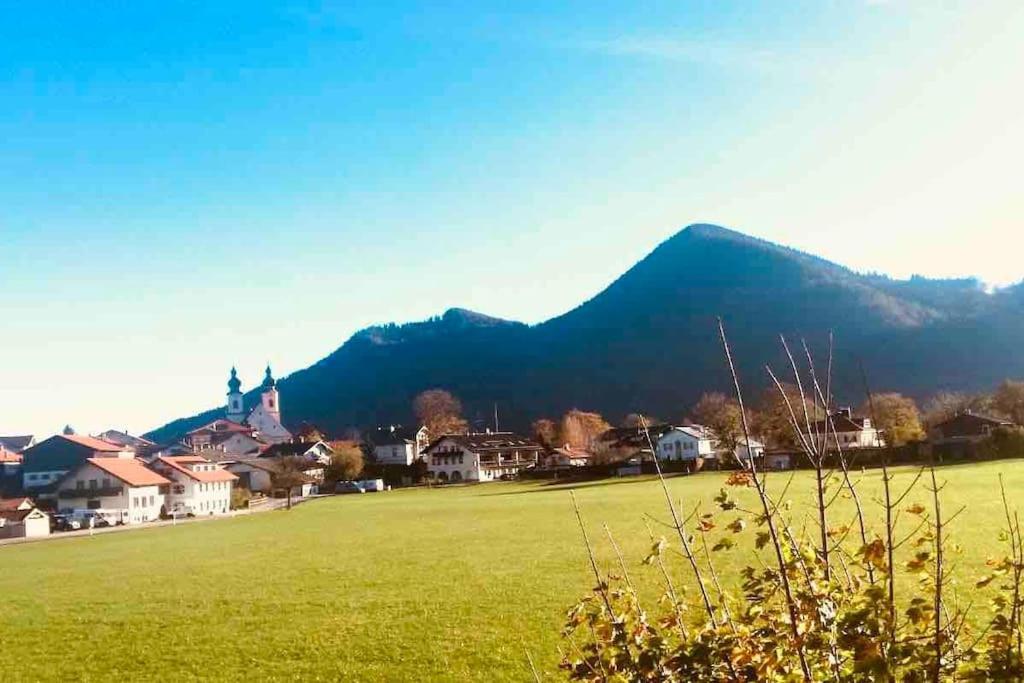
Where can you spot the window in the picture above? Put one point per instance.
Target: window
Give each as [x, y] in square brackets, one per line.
[152, 499]
[80, 485]
[93, 484]
[460, 458]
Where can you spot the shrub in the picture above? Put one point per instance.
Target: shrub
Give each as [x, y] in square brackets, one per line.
[818, 607]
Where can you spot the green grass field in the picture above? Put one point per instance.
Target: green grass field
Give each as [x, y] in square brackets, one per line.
[443, 584]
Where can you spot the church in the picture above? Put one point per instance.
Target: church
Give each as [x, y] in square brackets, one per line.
[265, 417]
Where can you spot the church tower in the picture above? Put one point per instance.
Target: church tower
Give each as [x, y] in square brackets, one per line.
[271, 401]
[236, 405]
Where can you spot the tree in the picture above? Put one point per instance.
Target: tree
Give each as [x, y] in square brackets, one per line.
[346, 461]
[580, 430]
[773, 422]
[440, 411]
[947, 404]
[897, 416]
[722, 416]
[289, 473]
[1009, 400]
[546, 432]
[637, 420]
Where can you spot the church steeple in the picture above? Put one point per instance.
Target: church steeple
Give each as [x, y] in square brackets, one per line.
[268, 381]
[270, 399]
[236, 405]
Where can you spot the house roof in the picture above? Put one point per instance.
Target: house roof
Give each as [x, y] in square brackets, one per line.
[483, 443]
[10, 504]
[221, 426]
[269, 465]
[290, 448]
[394, 435]
[181, 464]
[93, 443]
[15, 443]
[124, 438]
[573, 453]
[634, 437]
[129, 470]
[18, 515]
[839, 423]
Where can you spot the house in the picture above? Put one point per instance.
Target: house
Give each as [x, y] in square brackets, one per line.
[49, 460]
[264, 417]
[318, 452]
[395, 445]
[223, 439]
[966, 427]
[628, 442]
[851, 432]
[566, 457]
[481, 457]
[257, 475]
[686, 443]
[123, 487]
[743, 451]
[20, 518]
[17, 444]
[198, 486]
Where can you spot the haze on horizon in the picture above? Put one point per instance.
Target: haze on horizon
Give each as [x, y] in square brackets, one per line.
[186, 189]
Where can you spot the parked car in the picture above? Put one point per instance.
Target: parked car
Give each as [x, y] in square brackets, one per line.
[64, 523]
[372, 485]
[348, 487]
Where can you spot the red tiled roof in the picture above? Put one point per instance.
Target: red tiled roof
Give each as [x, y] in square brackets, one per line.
[180, 463]
[11, 504]
[129, 470]
[93, 443]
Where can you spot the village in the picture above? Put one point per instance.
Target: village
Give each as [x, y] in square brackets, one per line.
[247, 460]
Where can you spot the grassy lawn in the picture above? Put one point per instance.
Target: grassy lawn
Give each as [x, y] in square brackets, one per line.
[450, 584]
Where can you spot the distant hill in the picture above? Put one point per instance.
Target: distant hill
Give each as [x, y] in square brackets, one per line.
[649, 341]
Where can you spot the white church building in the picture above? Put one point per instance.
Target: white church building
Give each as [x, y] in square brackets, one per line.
[265, 417]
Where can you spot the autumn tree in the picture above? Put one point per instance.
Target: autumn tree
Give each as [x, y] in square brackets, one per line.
[721, 415]
[772, 420]
[896, 416]
[1009, 400]
[545, 431]
[580, 430]
[440, 412]
[346, 461]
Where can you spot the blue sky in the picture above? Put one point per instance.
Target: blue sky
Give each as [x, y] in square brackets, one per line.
[184, 187]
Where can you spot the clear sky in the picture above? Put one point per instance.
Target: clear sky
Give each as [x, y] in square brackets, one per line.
[187, 186]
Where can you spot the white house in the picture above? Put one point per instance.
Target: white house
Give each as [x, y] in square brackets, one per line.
[318, 452]
[481, 457]
[124, 487]
[686, 443]
[198, 486]
[562, 458]
[851, 432]
[395, 445]
[20, 518]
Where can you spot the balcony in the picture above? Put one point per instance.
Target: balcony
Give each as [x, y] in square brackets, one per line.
[91, 493]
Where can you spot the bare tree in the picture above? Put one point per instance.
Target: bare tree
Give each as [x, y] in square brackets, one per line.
[721, 415]
[546, 432]
[1009, 400]
[290, 472]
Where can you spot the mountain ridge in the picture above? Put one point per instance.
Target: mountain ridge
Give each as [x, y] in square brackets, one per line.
[648, 341]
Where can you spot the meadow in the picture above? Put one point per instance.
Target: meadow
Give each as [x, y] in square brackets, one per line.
[455, 583]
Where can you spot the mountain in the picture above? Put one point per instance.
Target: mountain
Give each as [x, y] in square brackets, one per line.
[650, 342]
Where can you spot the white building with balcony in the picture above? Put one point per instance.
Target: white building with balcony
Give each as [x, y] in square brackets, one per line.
[481, 457]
